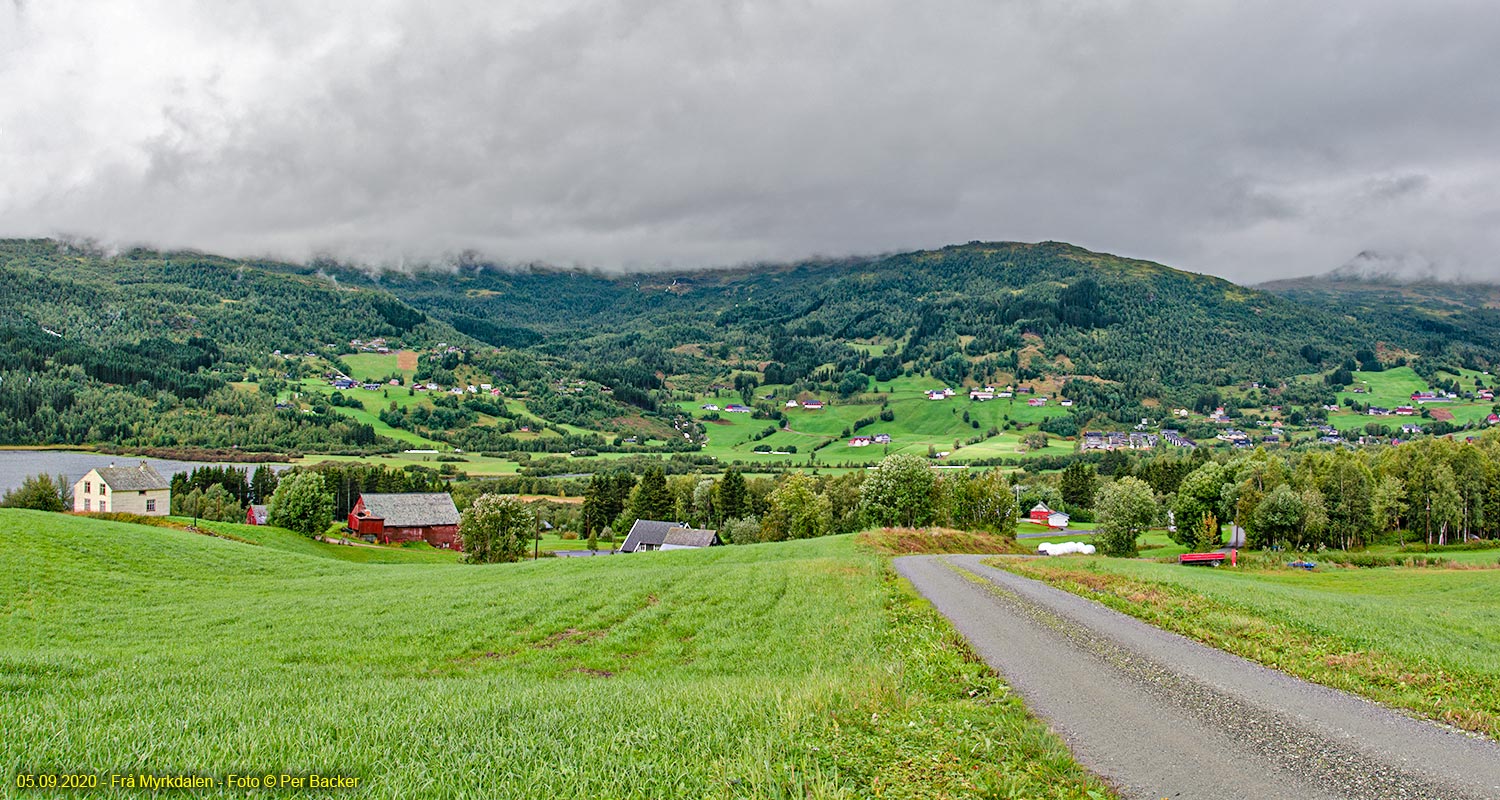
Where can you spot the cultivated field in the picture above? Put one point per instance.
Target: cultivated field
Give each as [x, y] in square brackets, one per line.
[801, 669]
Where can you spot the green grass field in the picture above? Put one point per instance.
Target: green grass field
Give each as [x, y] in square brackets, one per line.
[919, 424]
[375, 366]
[1423, 639]
[801, 669]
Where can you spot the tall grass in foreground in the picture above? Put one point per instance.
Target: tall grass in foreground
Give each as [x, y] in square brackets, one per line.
[802, 669]
[1419, 638]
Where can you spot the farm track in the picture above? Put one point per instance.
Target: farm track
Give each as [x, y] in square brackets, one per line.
[1158, 715]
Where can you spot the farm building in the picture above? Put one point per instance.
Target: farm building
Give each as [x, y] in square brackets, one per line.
[257, 515]
[1039, 513]
[412, 517]
[860, 441]
[647, 535]
[1057, 520]
[125, 490]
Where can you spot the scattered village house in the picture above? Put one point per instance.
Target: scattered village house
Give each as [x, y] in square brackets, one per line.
[647, 535]
[1043, 515]
[257, 515]
[411, 517]
[124, 490]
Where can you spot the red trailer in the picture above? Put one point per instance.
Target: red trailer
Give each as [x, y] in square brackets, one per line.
[1211, 559]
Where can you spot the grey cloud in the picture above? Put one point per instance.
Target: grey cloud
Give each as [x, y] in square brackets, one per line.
[1249, 140]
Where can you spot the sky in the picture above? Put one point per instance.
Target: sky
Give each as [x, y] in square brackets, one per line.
[1253, 140]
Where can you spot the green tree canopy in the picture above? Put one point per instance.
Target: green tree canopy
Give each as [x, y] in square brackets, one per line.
[39, 493]
[652, 499]
[798, 511]
[1126, 508]
[302, 504]
[898, 492]
[496, 529]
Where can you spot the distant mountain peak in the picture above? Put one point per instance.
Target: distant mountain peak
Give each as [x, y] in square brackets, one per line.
[1383, 267]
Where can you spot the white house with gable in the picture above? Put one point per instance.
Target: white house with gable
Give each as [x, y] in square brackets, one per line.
[125, 490]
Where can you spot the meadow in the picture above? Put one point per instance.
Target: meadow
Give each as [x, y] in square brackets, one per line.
[918, 424]
[1393, 387]
[802, 669]
[1418, 638]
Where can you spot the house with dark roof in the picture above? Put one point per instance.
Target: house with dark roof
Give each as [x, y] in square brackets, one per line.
[408, 517]
[126, 490]
[648, 534]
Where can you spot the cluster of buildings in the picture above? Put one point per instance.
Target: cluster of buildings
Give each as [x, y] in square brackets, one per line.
[1116, 440]
[810, 405]
[866, 441]
[376, 345]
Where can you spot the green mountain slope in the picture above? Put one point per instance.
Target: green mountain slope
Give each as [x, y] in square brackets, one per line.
[169, 350]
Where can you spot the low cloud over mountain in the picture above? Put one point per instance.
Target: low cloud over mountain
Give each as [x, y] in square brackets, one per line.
[1254, 141]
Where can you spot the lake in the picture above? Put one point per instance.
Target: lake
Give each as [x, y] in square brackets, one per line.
[16, 465]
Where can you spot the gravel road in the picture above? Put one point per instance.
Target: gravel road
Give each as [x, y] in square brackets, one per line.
[1160, 716]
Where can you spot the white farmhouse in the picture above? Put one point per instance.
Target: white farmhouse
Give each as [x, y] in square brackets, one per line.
[126, 490]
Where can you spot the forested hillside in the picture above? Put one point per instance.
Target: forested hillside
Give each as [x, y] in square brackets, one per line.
[1459, 319]
[151, 349]
[140, 348]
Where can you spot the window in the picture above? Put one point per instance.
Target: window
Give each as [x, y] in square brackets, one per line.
[87, 488]
[86, 502]
[102, 509]
[150, 506]
[142, 493]
[103, 490]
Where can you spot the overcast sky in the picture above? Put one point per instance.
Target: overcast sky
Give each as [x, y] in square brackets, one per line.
[1252, 140]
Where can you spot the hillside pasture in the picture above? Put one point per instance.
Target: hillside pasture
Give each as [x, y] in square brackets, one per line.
[802, 669]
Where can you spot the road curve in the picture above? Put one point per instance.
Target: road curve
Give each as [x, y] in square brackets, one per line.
[1158, 715]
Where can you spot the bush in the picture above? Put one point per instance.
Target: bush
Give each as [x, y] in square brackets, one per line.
[741, 531]
[40, 493]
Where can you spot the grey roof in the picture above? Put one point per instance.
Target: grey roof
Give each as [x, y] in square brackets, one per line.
[132, 479]
[691, 537]
[647, 532]
[412, 510]
[655, 533]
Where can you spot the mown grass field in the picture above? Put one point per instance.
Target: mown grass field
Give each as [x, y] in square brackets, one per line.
[919, 423]
[1393, 387]
[1419, 638]
[801, 669]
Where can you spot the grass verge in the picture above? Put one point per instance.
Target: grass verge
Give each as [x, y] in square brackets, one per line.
[1423, 639]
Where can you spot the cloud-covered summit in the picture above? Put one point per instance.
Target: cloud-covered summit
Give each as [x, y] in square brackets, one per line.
[1252, 140]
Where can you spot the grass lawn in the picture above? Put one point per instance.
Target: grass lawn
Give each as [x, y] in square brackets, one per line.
[802, 669]
[474, 464]
[375, 366]
[1422, 639]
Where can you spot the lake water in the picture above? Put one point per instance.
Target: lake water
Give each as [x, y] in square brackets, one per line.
[16, 465]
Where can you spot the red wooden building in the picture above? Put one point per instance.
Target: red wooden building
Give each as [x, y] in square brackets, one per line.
[395, 518]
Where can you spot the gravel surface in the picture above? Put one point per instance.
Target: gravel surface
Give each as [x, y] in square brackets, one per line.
[1159, 715]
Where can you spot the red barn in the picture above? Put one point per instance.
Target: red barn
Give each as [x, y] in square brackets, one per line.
[1039, 513]
[395, 518]
[256, 515]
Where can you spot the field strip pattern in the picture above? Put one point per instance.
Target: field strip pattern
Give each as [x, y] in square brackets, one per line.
[1159, 715]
